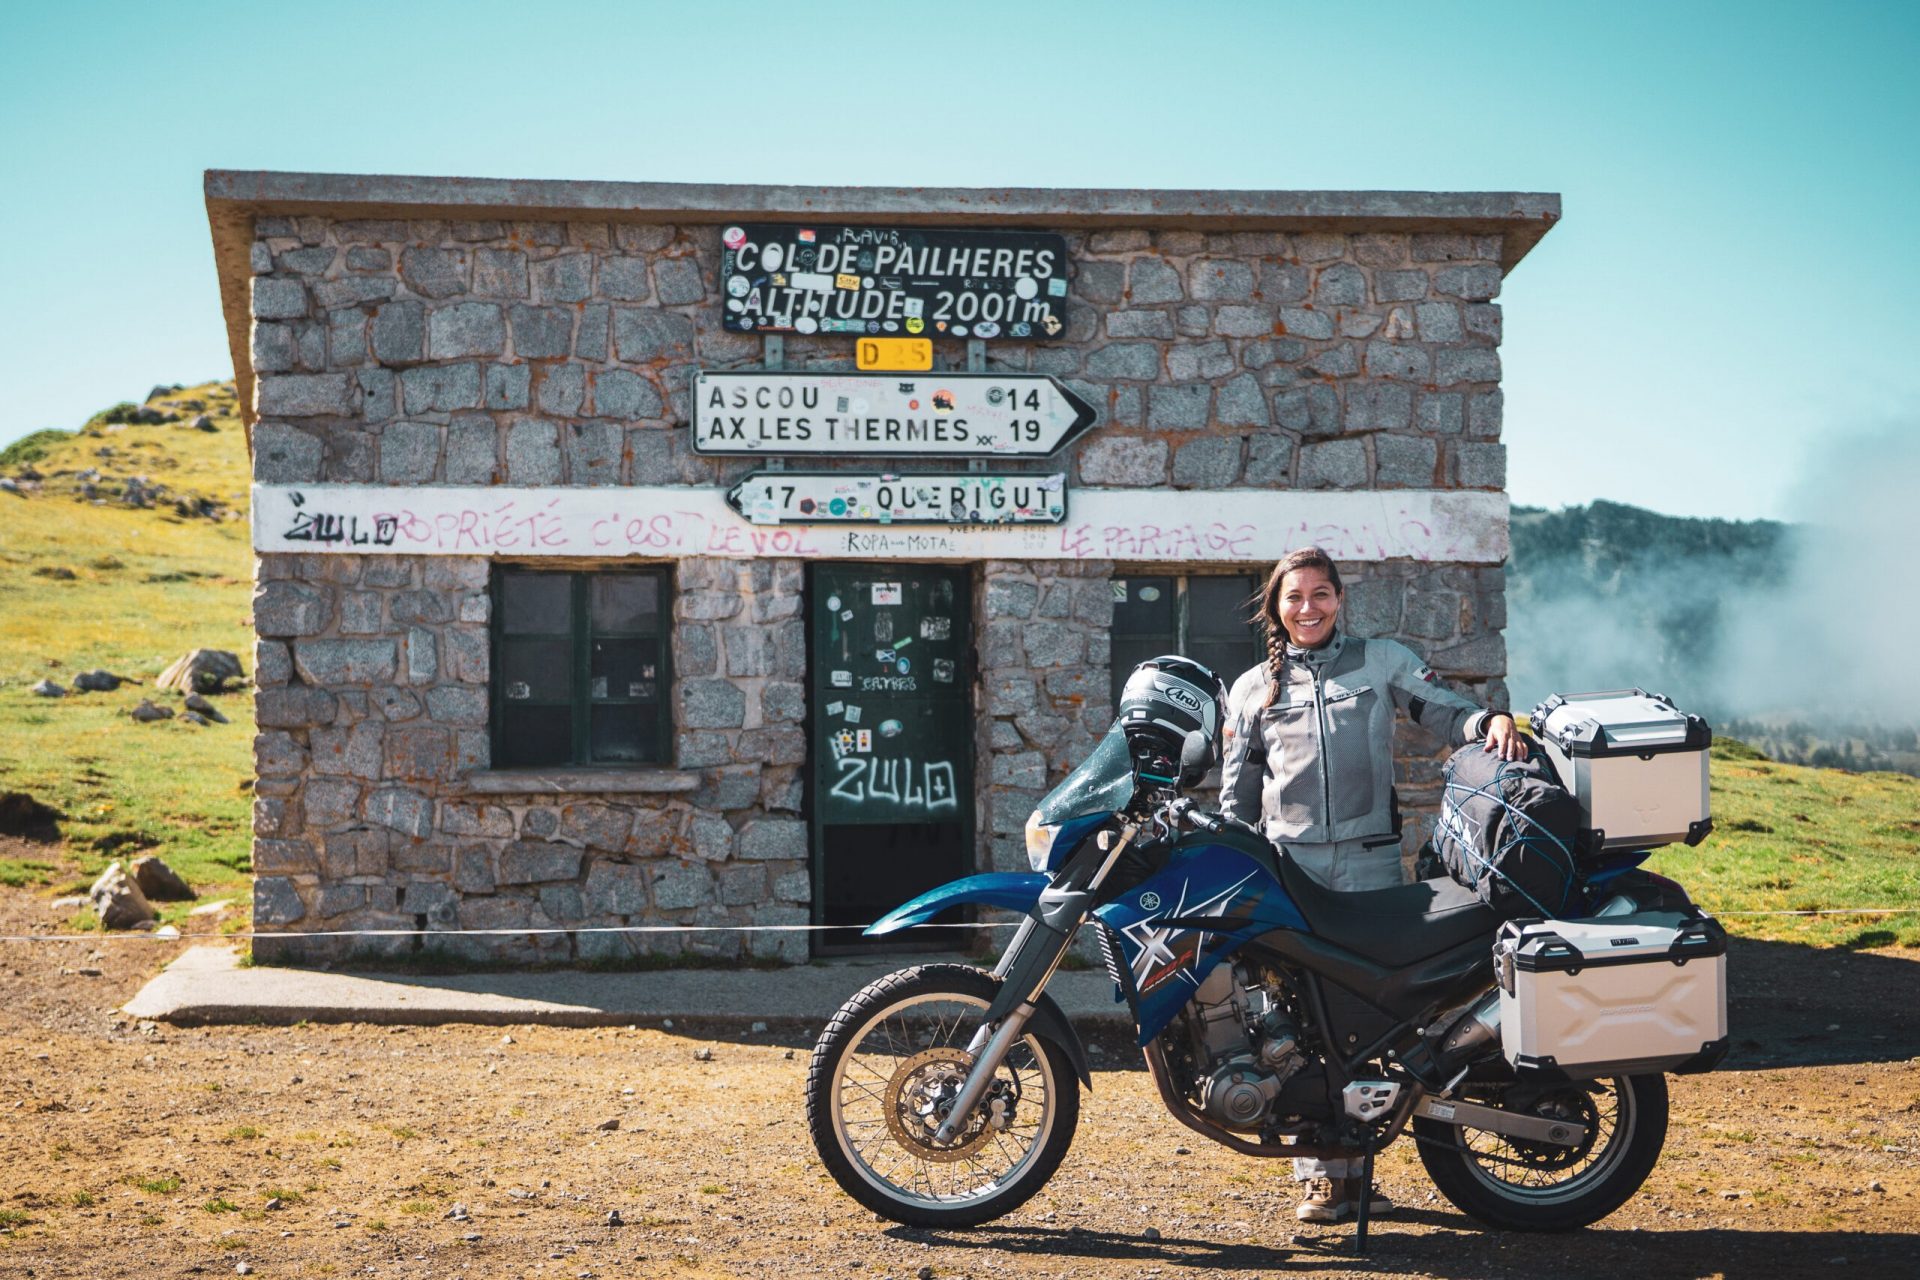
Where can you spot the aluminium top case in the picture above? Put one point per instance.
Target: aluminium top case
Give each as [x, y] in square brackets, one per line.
[1635, 763]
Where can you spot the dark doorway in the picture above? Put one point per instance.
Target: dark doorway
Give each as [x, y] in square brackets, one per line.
[891, 743]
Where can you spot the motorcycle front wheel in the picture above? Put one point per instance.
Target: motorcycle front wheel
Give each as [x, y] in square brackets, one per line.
[884, 1076]
[1531, 1186]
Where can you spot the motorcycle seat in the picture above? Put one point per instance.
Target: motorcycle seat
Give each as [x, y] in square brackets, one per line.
[1393, 927]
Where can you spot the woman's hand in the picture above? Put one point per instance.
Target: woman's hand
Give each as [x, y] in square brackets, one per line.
[1504, 737]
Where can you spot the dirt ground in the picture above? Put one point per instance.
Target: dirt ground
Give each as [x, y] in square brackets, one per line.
[147, 1150]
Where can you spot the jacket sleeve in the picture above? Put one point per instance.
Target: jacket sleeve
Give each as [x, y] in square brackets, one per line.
[1243, 756]
[1431, 704]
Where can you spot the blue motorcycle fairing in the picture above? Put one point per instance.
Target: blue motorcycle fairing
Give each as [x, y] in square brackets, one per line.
[1168, 956]
[1014, 890]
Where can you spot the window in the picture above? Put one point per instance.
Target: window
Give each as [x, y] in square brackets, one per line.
[1206, 618]
[580, 665]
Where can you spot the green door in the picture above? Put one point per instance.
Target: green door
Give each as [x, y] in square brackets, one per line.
[891, 741]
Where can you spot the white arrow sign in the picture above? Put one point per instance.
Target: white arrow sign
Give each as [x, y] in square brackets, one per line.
[846, 497]
[885, 415]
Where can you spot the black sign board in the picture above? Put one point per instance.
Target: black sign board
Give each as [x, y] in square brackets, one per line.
[907, 281]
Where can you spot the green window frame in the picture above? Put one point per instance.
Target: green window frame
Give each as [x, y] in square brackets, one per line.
[582, 671]
[1206, 617]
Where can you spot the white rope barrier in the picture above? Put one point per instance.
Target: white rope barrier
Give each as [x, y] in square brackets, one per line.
[151, 936]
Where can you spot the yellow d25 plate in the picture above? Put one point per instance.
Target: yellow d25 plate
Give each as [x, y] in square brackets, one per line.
[894, 353]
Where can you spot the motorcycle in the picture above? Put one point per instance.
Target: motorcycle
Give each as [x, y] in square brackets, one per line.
[1276, 1017]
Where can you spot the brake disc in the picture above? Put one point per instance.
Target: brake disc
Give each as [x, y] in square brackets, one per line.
[918, 1098]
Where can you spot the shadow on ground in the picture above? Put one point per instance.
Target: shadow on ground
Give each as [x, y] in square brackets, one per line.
[1456, 1251]
[1792, 1005]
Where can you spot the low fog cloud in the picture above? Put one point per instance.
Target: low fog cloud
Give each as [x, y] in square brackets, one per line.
[1819, 620]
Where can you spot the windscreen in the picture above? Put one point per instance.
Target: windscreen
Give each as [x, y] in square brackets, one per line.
[1102, 784]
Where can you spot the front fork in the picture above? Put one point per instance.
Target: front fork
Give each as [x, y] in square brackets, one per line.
[1025, 969]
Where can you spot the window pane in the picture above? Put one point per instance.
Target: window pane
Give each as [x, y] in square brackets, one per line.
[1220, 607]
[1146, 608]
[536, 603]
[538, 671]
[531, 735]
[626, 602]
[625, 671]
[625, 734]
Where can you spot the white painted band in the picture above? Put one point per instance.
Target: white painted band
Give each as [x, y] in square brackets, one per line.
[1240, 526]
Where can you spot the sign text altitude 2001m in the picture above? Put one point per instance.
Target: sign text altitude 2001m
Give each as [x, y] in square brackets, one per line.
[910, 281]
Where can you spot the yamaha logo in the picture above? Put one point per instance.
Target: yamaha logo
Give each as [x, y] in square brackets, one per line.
[1182, 697]
[1149, 901]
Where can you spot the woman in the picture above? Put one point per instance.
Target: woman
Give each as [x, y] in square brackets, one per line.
[1308, 758]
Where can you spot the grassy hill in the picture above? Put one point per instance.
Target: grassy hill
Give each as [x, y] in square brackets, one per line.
[88, 580]
[125, 547]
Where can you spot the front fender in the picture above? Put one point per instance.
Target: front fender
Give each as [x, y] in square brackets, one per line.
[1014, 890]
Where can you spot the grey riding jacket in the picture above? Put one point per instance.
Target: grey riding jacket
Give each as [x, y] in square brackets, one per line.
[1317, 765]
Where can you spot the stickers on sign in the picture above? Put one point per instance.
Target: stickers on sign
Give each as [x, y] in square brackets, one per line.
[599, 686]
[889, 326]
[986, 329]
[903, 666]
[738, 286]
[866, 282]
[1149, 594]
[735, 304]
[519, 691]
[813, 281]
[943, 402]
[863, 741]
[846, 615]
[1021, 329]
[833, 602]
[886, 593]
[883, 628]
[1051, 324]
[844, 281]
[842, 679]
[733, 237]
[839, 508]
[915, 324]
[902, 643]
[891, 728]
[842, 742]
[915, 308]
[959, 330]
[943, 671]
[806, 236]
[834, 708]
[770, 257]
[746, 322]
[1057, 288]
[805, 324]
[646, 671]
[936, 628]
[1119, 590]
[643, 689]
[853, 714]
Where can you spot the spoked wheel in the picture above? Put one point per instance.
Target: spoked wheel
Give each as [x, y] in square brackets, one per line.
[1538, 1186]
[884, 1078]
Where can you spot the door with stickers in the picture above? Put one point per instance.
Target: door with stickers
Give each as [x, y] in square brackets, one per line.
[891, 741]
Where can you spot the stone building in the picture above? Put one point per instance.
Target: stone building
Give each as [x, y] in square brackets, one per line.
[479, 515]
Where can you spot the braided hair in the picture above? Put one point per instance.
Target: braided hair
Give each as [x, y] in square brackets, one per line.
[1304, 558]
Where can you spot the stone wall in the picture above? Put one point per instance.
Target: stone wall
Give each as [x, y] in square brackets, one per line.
[542, 353]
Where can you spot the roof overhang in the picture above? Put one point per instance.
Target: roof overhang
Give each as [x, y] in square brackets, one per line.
[236, 198]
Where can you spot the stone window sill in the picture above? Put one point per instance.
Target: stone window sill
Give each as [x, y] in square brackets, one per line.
[526, 782]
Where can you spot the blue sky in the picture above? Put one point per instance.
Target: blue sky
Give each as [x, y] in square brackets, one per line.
[1732, 288]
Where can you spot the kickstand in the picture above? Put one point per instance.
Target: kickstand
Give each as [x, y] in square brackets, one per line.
[1366, 1200]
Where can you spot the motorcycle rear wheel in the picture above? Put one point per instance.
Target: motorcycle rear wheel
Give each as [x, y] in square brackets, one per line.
[888, 1060]
[1520, 1186]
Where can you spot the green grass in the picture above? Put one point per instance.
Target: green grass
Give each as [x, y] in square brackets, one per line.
[147, 585]
[220, 1205]
[159, 1186]
[1792, 838]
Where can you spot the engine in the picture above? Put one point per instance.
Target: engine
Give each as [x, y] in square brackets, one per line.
[1245, 1047]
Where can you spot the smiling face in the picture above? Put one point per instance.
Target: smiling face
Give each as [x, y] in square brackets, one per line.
[1309, 605]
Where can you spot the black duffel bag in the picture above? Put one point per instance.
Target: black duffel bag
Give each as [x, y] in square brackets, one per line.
[1506, 830]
